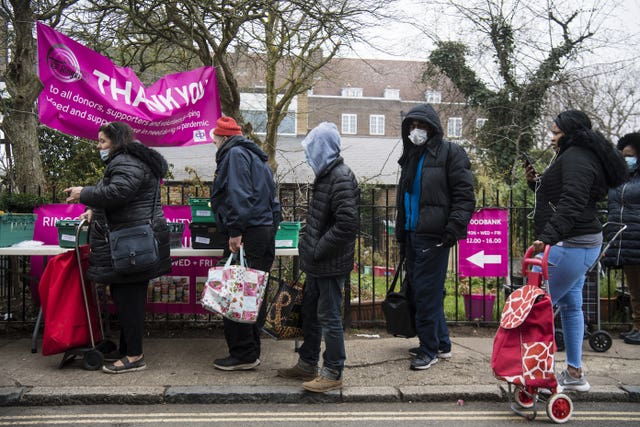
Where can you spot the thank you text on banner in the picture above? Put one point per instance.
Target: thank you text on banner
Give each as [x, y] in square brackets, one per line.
[485, 251]
[83, 90]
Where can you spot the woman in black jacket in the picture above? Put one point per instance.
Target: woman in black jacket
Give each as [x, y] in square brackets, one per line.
[624, 208]
[566, 218]
[127, 194]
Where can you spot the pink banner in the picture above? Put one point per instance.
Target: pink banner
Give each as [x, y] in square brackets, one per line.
[485, 251]
[83, 90]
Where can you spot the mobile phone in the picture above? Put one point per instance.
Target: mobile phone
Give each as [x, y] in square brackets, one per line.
[526, 159]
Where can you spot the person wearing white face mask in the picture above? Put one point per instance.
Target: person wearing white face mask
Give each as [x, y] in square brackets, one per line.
[624, 252]
[435, 201]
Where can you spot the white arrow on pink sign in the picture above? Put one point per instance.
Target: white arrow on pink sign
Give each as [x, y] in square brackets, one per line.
[484, 253]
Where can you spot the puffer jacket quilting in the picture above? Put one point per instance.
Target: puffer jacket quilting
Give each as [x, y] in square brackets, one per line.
[328, 242]
[624, 208]
[447, 198]
[124, 196]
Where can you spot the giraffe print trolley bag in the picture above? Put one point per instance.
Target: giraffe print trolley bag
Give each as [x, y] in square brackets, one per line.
[524, 347]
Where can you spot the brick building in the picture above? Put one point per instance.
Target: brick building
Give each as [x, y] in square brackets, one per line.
[365, 98]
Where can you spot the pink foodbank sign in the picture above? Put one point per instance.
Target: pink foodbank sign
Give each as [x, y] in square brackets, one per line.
[83, 90]
[484, 253]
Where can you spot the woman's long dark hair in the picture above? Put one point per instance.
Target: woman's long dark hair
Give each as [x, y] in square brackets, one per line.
[577, 130]
[120, 135]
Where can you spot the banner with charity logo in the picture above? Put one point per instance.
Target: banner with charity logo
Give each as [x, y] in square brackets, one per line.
[83, 90]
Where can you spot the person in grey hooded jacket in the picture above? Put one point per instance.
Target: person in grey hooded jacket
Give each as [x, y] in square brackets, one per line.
[326, 256]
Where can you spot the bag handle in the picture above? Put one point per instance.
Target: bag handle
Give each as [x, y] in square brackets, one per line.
[241, 259]
[396, 276]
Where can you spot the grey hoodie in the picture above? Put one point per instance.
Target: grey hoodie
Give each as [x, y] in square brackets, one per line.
[322, 146]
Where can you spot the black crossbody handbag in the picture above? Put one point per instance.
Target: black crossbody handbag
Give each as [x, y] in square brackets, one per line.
[134, 248]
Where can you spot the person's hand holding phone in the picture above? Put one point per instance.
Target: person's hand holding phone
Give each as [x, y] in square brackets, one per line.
[529, 170]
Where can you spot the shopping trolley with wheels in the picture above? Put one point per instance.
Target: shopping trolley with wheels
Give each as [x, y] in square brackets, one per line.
[71, 310]
[524, 346]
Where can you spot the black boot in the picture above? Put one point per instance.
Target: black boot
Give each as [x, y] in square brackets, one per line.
[633, 338]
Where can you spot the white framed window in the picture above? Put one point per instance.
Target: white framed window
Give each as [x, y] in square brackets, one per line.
[349, 124]
[454, 127]
[376, 124]
[392, 93]
[480, 122]
[433, 96]
[352, 92]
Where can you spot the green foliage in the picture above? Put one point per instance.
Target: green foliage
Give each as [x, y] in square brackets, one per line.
[68, 161]
[20, 202]
[450, 58]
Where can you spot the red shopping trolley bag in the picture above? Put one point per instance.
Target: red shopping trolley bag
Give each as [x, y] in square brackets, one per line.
[65, 312]
[524, 347]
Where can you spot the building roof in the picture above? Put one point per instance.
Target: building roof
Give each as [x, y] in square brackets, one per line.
[373, 160]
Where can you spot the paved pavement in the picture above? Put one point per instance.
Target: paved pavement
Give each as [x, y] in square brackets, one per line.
[180, 370]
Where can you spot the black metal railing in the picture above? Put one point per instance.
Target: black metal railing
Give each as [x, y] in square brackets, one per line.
[376, 258]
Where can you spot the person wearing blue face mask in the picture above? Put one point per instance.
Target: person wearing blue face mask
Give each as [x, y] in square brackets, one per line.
[624, 252]
[127, 193]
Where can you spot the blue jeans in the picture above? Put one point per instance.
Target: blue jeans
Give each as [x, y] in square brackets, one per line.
[322, 318]
[567, 270]
[427, 271]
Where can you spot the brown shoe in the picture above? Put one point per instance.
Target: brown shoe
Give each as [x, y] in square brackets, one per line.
[297, 373]
[321, 385]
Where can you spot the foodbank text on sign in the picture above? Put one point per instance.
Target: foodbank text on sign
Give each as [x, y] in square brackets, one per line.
[484, 253]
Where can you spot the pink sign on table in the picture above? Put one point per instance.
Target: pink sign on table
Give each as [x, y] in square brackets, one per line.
[485, 251]
[83, 90]
[178, 292]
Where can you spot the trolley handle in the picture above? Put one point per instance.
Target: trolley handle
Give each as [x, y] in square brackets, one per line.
[543, 262]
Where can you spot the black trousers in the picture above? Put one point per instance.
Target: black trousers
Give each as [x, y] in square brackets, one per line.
[243, 339]
[130, 299]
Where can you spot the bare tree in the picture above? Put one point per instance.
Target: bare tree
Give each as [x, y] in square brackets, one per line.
[607, 93]
[288, 41]
[530, 44]
[20, 123]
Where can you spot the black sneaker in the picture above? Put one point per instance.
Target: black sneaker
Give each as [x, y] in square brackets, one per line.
[422, 361]
[230, 363]
[441, 353]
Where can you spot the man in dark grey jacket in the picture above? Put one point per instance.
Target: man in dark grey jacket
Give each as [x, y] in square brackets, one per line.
[326, 256]
[243, 199]
[435, 201]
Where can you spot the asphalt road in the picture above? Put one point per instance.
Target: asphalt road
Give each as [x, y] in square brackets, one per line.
[476, 414]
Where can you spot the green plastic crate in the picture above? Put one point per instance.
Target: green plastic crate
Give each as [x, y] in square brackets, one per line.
[67, 231]
[176, 230]
[201, 209]
[15, 228]
[287, 235]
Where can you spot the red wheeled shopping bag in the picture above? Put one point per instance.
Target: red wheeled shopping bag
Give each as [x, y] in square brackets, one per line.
[64, 308]
[524, 347]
